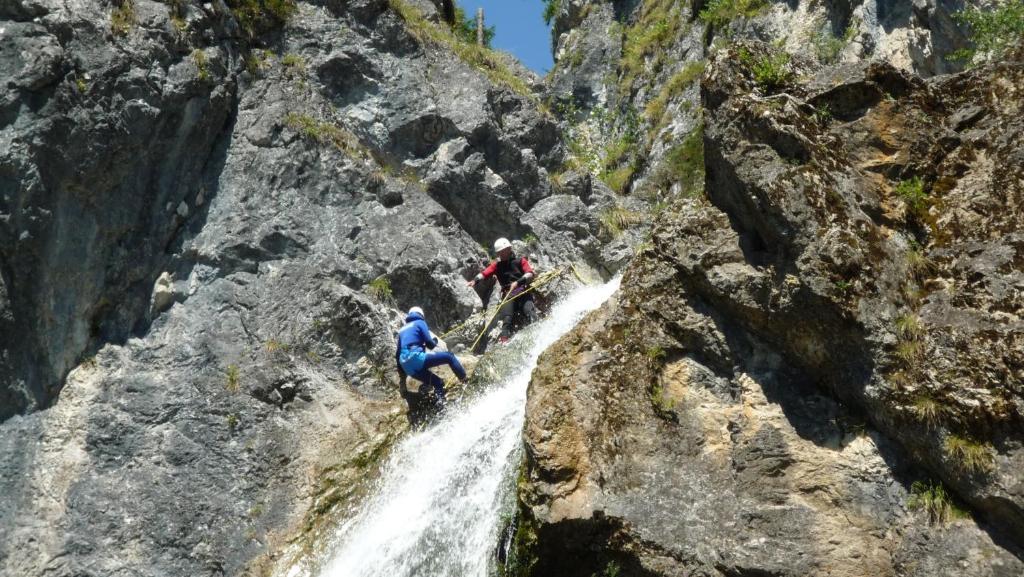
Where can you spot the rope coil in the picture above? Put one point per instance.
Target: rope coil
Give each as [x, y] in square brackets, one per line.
[539, 281]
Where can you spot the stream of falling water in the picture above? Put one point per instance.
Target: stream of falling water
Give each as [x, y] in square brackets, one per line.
[437, 509]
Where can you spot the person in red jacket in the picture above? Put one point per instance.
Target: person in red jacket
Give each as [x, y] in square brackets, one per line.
[514, 274]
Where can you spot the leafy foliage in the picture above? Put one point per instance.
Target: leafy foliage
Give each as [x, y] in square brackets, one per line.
[913, 195]
[828, 46]
[721, 12]
[379, 290]
[994, 32]
[643, 43]
[465, 28]
[683, 164]
[770, 70]
[551, 8]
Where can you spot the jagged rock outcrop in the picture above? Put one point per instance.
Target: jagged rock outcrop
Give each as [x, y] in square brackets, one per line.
[837, 319]
[207, 223]
[626, 72]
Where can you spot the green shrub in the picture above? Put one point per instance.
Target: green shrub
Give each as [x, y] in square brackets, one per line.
[232, 420]
[551, 8]
[258, 16]
[823, 113]
[933, 499]
[683, 164]
[994, 32]
[770, 70]
[970, 455]
[123, 18]
[379, 290]
[617, 149]
[655, 354]
[912, 193]
[718, 13]
[233, 382]
[827, 46]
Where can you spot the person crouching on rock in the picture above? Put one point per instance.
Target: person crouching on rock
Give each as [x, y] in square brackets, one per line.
[412, 358]
[514, 275]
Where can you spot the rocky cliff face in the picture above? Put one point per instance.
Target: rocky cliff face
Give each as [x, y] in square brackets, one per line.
[814, 363]
[210, 216]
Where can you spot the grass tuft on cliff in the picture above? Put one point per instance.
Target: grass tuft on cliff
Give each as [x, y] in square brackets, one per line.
[719, 13]
[933, 499]
[970, 455]
[770, 70]
[480, 57]
[258, 16]
[123, 18]
[643, 43]
[327, 133]
[683, 164]
[551, 8]
[379, 290]
[676, 84]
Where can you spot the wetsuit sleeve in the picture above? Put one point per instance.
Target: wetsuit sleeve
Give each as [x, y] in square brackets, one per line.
[527, 271]
[423, 332]
[489, 271]
[398, 356]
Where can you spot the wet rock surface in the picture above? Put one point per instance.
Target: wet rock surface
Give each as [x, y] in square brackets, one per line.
[206, 240]
[791, 352]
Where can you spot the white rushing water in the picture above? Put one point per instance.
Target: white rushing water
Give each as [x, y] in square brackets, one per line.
[437, 508]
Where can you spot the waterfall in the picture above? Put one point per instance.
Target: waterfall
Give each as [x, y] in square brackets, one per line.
[445, 493]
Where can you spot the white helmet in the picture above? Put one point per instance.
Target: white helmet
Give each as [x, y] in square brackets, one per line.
[501, 244]
[416, 310]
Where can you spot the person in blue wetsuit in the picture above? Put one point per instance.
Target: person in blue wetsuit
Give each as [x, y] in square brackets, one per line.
[414, 357]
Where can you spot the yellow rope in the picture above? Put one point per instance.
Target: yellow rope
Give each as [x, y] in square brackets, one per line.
[540, 280]
[537, 282]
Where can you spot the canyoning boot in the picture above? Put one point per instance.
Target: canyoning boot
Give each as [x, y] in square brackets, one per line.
[503, 340]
